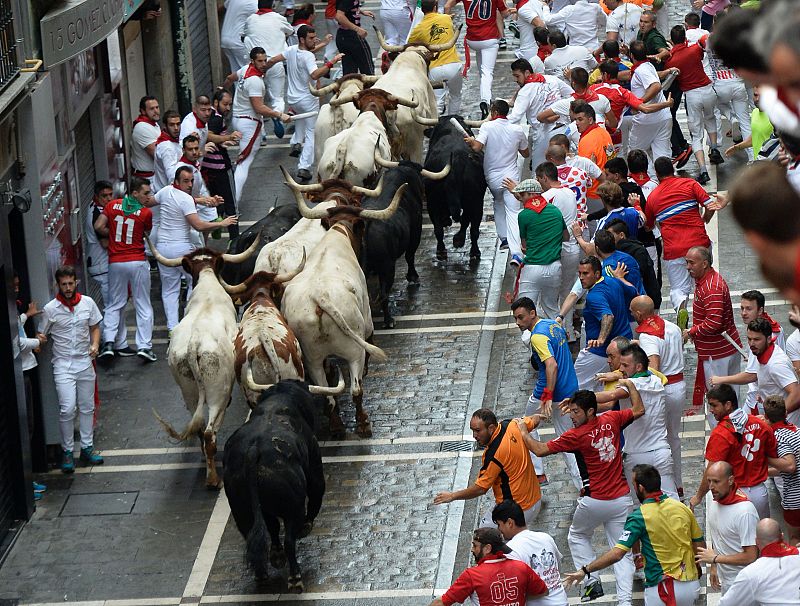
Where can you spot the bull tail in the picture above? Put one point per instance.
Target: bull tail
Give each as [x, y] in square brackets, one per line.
[257, 545]
[331, 309]
[197, 422]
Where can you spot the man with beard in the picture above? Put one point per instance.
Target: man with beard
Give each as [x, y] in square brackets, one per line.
[670, 537]
[496, 580]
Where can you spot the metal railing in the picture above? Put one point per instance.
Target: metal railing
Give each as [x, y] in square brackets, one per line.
[9, 64]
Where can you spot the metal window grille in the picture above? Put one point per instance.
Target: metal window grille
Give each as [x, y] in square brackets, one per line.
[9, 67]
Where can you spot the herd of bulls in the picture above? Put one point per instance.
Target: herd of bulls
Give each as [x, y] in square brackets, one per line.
[307, 304]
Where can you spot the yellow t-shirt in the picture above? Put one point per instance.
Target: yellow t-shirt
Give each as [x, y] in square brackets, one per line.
[436, 28]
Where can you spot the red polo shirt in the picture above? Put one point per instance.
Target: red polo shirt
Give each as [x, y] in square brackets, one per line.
[746, 452]
[497, 581]
[675, 204]
[689, 59]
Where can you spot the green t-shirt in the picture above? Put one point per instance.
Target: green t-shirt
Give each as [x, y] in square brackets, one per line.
[542, 233]
[761, 129]
[654, 41]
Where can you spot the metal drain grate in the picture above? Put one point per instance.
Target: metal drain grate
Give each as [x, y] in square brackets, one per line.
[460, 446]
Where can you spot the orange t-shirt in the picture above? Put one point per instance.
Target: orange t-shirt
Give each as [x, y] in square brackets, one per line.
[596, 145]
[507, 468]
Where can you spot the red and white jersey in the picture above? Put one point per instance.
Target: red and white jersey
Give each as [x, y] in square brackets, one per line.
[618, 96]
[126, 232]
[745, 451]
[578, 181]
[481, 17]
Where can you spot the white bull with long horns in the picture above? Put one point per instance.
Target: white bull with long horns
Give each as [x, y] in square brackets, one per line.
[327, 305]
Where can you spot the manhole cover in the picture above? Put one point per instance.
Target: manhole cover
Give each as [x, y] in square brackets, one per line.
[461, 446]
[99, 504]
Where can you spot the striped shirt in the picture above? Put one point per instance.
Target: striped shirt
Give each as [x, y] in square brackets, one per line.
[675, 205]
[788, 438]
[219, 159]
[713, 315]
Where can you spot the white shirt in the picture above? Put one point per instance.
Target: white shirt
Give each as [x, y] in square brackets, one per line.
[733, 527]
[580, 23]
[692, 36]
[568, 56]
[69, 333]
[767, 581]
[625, 21]
[601, 107]
[206, 213]
[236, 13]
[299, 65]
[539, 551]
[502, 140]
[166, 161]
[564, 199]
[648, 432]
[669, 349]
[647, 188]
[528, 46]
[26, 346]
[586, 165]
[643, 76]
[143, 134]
[189, 127]
[774, 376]
[252, 86]
[97, 254]
[535, 97]
[269, 31]
[175, 206]
[793, 346]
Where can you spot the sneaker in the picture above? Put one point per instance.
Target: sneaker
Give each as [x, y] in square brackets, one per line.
[514, 28]
[39, 487]
[682, 158]
[703, 178]
[683, 318]
[147, 355]
[278, 126]
[88, 455]
[516, 261]
[638, 575]
[37, 496]
[543, 481]
[502, 43]
[484, 110]
[297, 149]
[107, 351]
[715, 157]
[304, 174]
[67, 462]
[126, 352]
[592, 590]
[503, 244]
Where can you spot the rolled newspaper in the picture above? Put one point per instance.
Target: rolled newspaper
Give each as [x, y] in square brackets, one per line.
[741, 350]
[296, 117]
[459, 128]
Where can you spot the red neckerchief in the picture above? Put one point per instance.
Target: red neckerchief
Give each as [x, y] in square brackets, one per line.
[654, 325]
[636, 64]
[145, 119]
[264, 11]
[587, 95]
[76, 298]
[521, 3]
[536, 204]
[164, 136]
[734, 496]
[498, 555]
[252, 70]
[186, 161]
[784, 425]
[654, 497]
[534, 78]
[764, 357]
[300, 22]
[778, 549]
[776, 327]
[639, 178]
[498, 118]
[590, 129]
[200, 123]
[545, 50]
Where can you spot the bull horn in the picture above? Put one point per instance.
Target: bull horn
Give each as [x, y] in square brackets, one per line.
[474, 123]
[368, 80]
[389, 48]
[251, 384]
[289, 275]
[365, 191]
[243, 256]
[438, 48]
[236, 289]
[403, 101]
[318, 390]
[381, 215]
[348, 98]
[429, 174]
[380, 161]
[163, 260]
[308, 213]
[321, 92]
[424, 121]
[437, 84]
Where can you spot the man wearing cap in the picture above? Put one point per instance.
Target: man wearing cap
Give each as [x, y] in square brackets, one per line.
[542, 229]
[495, 580]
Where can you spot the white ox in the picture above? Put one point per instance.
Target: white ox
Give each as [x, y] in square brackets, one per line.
[200, 354]
[327, 305]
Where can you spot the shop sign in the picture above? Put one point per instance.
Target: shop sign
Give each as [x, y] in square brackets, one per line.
[78, 25]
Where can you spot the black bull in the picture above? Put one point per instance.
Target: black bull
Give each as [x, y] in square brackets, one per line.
[272, 464]
[459, 196]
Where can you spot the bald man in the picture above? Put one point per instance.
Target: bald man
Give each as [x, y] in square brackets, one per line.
[732, 519]
[662, 341]
[774, 578]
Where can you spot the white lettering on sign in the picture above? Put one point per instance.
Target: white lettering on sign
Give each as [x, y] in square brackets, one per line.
[78, 25]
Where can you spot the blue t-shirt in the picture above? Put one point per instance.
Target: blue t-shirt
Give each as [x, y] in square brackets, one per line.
[558, 348]
[628, 214]
[607, 296]
[634, 275]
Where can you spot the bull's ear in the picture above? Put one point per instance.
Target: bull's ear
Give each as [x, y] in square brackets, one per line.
[428, 132]
[276, 293]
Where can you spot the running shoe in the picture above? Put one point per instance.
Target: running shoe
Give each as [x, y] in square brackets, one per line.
[503, 244]
[125, 352]
[592, 590]
[682, 158]
[503, 43]
[67, 462]
[88, 455]
[484, 110]
[514, 28]
[683, 318]
[304, 174]
[543, 481]
[516, 261]
[147, 355]
[297, 149]
[703, 178]
[107, 351]
[39, 487]
[715, 157]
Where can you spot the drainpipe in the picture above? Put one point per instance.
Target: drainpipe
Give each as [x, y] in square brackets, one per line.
[180, 45]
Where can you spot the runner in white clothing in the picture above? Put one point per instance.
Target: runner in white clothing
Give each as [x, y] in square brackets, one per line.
[236, 13]
[144, 134]
[537, 549]
[396, 16]
[581, 22]
[793, 341]
[622, 24]
[195, 123]
[529, 15]
[566, 56]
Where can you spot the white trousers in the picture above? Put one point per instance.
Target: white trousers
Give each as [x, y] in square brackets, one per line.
[275, 79]
[675, 396]
[700, 105]
[237, 57]
[102, 280]
[76, 393]
[591, 513]
[485, 57]
[569, 272]
[721, 367]
[121, 275]
[561, 423]
[681, 283]
[506, 210]
[530, 516]
[686, 592]
[759, 496]
[450, 74]
[661, 459]
[396, 24]
[538, 142]
[541, 283]
[587, 365]
[653, 139]
[248, 128]
[304, 132]
[734, 102]
[171, 281]
[330, 48]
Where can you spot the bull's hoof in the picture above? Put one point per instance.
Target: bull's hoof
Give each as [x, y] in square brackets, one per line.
[388, 322]
[441, 254]
[295, 585]
[364, 430]
[277, 557]
[413, 279]
[213, 485]
[307, 528]
[459, 240]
